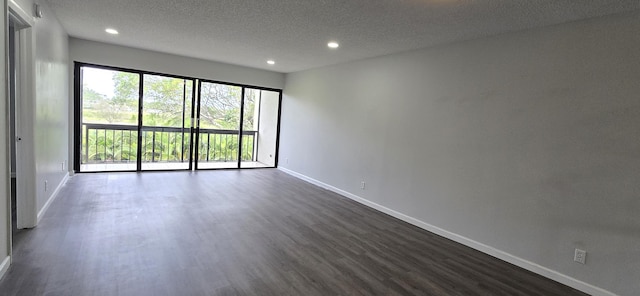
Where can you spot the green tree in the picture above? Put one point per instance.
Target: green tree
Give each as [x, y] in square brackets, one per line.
[119, 108]
[90, 97]
[220, 106]
[166, 101]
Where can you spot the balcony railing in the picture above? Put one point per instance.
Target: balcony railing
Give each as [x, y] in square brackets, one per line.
[112, 143]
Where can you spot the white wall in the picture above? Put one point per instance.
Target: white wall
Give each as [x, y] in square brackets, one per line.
[51, 105]
[133, 58]
[5, 209]
[12, 92]
[46, 108]
[525, 142]
[26, 5]
[268, 127]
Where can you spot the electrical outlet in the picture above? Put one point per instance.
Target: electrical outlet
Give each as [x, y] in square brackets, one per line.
[362, 185]
[287, 160]
[580, 256]
[45, 185]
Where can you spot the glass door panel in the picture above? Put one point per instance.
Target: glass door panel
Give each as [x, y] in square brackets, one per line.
[260, 128]
[219, 124]
[166, 123]
[109, 120]
[130, 120]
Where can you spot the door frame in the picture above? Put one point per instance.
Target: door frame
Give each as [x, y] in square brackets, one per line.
[77, 126]
[26, 205]
[141, 117]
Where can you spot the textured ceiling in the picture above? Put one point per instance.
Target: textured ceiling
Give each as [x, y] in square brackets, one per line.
[295, 32]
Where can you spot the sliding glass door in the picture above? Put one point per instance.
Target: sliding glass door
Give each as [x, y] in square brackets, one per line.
[166, 123]
[219, 125]
[260, 128]
[128, 120]
[109, 120]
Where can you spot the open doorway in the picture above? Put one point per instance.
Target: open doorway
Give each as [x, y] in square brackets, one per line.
[12, 118]
[20, 105]
[13, 79]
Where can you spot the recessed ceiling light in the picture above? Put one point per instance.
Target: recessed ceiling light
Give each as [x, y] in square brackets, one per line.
[271, 62]
[112, 31]
[333, 44]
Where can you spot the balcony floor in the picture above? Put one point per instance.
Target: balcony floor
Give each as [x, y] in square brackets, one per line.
[165, 166]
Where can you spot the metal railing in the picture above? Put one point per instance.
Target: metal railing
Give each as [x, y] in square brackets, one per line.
[217, 145]
[113, 143]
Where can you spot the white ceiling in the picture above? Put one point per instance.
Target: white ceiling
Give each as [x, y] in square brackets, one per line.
[295, 32]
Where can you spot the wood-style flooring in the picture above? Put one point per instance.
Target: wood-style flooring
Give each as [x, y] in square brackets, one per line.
[251, 232]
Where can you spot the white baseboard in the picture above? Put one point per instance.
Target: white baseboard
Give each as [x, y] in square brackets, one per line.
[4, 266]
[52, 198]
[528, 265]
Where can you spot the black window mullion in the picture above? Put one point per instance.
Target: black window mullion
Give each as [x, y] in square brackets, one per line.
[196, 126]
[191, 129]
[77, 75]
[278, 128]
[184, 106]
[257, 133]
[140, 106]
[241, 127]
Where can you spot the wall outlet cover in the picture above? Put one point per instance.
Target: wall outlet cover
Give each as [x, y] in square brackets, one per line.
[580, 256]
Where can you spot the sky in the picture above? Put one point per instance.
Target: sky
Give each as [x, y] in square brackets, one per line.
[99, 80]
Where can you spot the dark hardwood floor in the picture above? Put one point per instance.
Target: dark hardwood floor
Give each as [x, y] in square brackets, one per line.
[253, 232]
